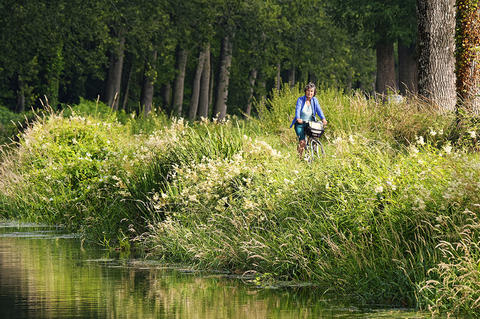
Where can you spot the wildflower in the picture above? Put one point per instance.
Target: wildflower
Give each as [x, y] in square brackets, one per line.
[193, 198]
[420, 204]
[392, 186]
[414, 150]
[378, 189]
[447, 148]
[337, 140]
[420, 140]
[472, 134]
[432, 132]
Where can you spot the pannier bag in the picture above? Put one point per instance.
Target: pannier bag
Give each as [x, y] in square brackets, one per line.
[315, 129]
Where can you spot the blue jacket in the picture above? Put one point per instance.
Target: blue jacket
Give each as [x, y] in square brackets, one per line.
[315, 108]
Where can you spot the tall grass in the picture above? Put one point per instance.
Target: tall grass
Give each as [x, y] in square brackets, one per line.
[388, 216]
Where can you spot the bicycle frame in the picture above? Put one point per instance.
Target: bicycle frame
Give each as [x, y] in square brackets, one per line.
[313, 147]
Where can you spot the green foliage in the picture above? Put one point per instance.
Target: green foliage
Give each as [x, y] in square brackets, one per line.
[94, 109]
[11, 123]
[387, 216]
[68, 171]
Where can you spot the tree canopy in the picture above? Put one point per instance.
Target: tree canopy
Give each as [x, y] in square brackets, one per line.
[129, 51]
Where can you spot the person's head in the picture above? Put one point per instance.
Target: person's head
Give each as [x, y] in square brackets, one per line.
[310, 88]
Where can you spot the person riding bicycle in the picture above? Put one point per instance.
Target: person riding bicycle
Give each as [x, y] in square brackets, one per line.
[306, 109]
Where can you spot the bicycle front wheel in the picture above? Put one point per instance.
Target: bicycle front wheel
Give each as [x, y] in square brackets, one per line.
[314, 150]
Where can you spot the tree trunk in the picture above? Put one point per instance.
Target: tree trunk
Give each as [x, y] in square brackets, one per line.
[407, 69]
[278, 78]
[20, 95]
[223, 80]
[114, 79]
[212, 86]
[436, 43]
[180, 82]
[468, 55]
[196, 85]
[385, 68]
[127, 87]
[167, 95]
[252, 79]
[149, 80]
[263, 84]
[205, 85]
[291, 76]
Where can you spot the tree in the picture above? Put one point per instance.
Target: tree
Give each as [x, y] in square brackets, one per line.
[149, 80]
[436, 43]
[178, 89]
[204, 101]
[205, 13]
[31, 50]
[192, 112]
[381, 23]
[468, 55]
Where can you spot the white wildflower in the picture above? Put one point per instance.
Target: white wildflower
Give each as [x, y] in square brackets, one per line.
[420, 140]
[420, 204]
[413, 150]
[472, 134]
[193, 198]
[447, 148]
[392, 186]
[379, 189]
[337, 140]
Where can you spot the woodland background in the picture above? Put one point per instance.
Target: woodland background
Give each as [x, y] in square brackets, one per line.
[198, 58]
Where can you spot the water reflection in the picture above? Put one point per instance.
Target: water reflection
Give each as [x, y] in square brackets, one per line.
[47, 274]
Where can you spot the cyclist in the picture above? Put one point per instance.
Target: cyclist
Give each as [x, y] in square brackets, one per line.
[306, 109]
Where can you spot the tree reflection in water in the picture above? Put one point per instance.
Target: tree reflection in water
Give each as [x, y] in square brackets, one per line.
[45, 274]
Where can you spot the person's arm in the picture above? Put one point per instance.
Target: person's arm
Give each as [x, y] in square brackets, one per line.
[298, 109]
[320, 113]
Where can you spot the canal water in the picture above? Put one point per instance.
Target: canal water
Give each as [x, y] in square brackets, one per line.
[45, 273]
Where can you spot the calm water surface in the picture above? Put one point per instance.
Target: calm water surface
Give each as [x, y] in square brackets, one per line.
[47, 274]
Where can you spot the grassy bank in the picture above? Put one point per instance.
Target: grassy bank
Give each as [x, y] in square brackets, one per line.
[389, 216]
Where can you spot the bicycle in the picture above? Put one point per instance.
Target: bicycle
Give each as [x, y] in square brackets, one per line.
[313, 146]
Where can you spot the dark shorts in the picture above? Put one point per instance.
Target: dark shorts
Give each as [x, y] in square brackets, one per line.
[300, 130]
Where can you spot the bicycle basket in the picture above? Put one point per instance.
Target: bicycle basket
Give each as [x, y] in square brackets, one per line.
[315, 129]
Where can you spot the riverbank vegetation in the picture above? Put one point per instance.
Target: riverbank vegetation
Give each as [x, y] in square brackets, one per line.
[388, 216]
